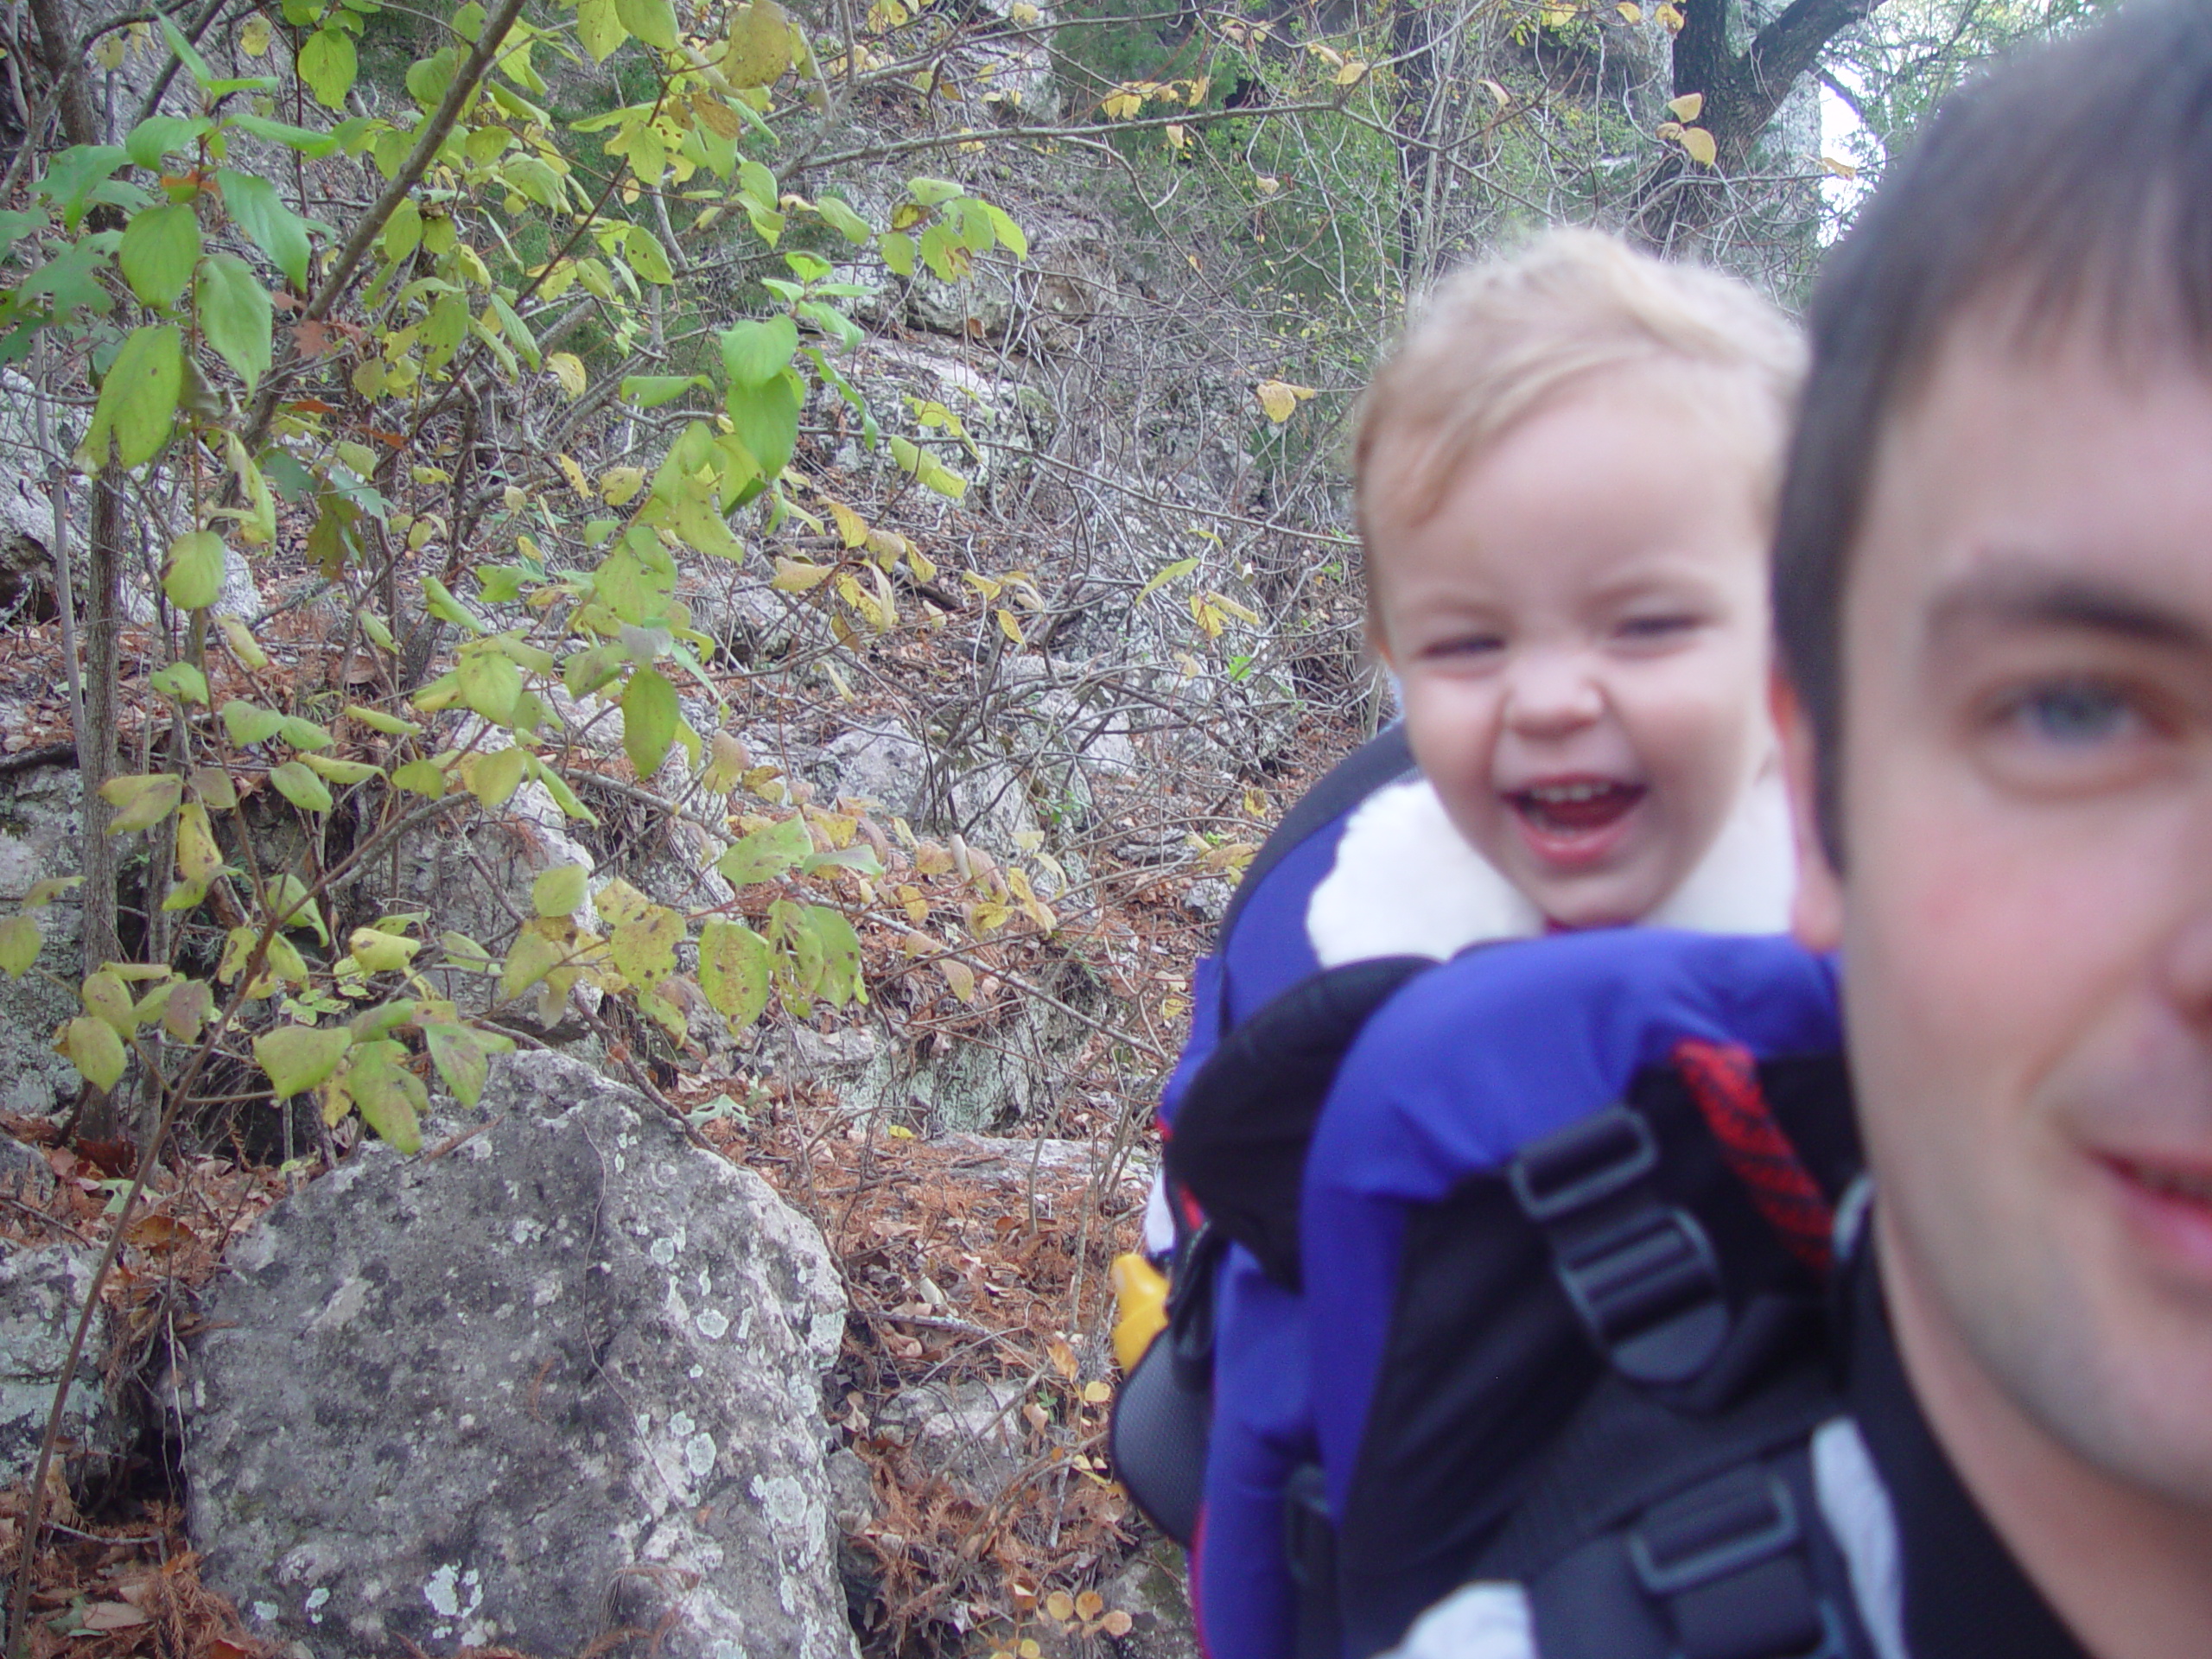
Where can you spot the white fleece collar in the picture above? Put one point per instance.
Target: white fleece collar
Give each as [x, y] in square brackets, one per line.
[1405, 884]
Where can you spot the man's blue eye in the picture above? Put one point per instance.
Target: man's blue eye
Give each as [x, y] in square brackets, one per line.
[2076, 714]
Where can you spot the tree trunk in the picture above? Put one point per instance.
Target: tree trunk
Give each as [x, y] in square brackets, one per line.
[96, 746]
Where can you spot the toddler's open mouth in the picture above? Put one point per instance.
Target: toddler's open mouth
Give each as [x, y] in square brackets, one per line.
[1574, 820]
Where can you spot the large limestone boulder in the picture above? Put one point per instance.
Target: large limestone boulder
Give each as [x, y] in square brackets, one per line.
[564, 1379]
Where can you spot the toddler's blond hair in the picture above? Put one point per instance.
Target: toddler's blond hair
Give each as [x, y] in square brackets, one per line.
[1496, 339]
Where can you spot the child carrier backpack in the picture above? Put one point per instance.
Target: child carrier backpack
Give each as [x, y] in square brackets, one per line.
[1590, 1168]
[1164, 1408]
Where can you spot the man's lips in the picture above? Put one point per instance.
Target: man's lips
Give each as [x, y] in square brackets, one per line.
[2169, 1201]
[1574, 822]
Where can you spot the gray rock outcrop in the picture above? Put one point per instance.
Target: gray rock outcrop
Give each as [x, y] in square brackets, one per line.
[41, 1291]
[39, 833]
[564, 1379]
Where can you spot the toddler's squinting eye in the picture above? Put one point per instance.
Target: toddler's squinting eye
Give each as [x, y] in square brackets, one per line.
[1657, 626]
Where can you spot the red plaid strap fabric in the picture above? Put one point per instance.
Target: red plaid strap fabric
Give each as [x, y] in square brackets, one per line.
[1724, 1081]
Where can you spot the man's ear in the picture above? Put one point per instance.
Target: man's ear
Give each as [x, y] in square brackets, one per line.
[1817, 914]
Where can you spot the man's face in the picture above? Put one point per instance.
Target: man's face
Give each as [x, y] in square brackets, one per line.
[2026, 918]
[1581, 630]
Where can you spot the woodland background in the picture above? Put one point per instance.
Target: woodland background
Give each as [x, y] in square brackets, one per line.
[792, 553]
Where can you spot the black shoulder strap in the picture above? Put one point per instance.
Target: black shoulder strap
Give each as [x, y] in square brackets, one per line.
[1242, 1128]
[1382, 758]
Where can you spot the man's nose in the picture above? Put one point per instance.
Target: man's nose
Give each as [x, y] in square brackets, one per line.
[1552, 693]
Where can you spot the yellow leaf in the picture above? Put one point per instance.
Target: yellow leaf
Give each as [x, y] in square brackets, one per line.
[1842, 170]
[1280, 398]
[1022, 13]
[619, 485]
[1668, 15]
[1498, 92]
[1007, 625]
[1667, 130]
[1557, 16]
[1062, 1356]
[1351, 74]
[1255, 803]
[1701, 145]
[958, 976]
[1329, 55]
[792, 576]
[1059, 1606]
[852, 528]
[253, 38]
[1177, 137]
[1630, 11]
[569, 369]
[575, 474]
[1688, 107]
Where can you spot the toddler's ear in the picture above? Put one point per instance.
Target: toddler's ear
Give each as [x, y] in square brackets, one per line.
[1816, 914]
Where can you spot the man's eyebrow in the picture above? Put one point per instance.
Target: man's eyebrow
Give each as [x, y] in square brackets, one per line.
[2030, 593]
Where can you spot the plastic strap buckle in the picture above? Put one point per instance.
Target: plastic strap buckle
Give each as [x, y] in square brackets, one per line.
[1685, 1550]
[1641, 1273]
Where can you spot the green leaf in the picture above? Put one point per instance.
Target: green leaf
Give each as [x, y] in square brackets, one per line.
[648, 717]
[840, 980]
[327, 63]
[137, 401]
[652, 21]
[463, 1057]
[313, 145]
[443, 605]
[598, 29]
[181, 681]
[766, 853]
[559, 891]
[187, 54]
[297, 1058]
[192, 574]
[842, 219]
[235, 315]
[158, 135]
[301, 787]
[490, 684]
[495, 777]
[734, 970]
[1009, 233]
[343, 773]
[421, 778]
[20, 940]
[898, 249]
[388, 1096]
[767, 419]
[249, 723]
[377, 720]
[141, 801]
[256, 208]
[301, 734]
[751, 351]
[651, 391]
[565, 798]
[95, 1050]
[646, 256]
[931, 193]
[75, 173]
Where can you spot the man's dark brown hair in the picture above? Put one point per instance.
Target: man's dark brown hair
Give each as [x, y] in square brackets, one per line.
[2069, 188]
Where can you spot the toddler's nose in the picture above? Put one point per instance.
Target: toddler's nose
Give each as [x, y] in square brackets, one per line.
[1551, 693]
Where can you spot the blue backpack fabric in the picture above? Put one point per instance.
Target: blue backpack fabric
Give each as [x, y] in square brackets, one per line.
[1451, 1351]
[1162, 1413]
[1261, 949]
